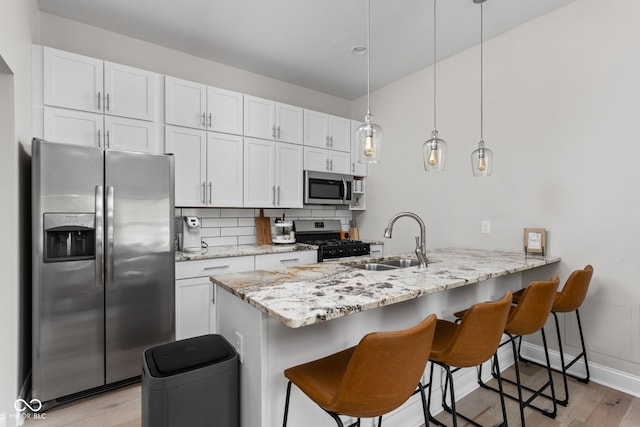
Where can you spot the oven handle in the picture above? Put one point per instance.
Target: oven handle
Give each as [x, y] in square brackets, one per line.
[344, 191]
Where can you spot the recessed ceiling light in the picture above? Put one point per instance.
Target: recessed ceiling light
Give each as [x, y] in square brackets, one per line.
[359, 49]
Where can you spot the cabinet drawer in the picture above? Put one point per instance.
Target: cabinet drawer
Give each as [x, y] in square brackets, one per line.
[285, 259]
[377, 250]
[208, 267]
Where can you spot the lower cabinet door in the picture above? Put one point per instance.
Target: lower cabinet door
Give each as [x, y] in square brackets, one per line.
[194, 306]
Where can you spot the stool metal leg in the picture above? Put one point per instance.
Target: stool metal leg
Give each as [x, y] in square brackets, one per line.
[286, 404]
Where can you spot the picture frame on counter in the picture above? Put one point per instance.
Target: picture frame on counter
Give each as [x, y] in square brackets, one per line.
[535, 240]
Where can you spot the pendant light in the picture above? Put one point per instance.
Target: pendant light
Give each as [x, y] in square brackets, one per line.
[369, 135]
[434, 150]
[481, 157]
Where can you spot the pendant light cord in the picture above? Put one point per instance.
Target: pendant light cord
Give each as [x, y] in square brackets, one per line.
[368, 57]
[481, 72]
[434, 64]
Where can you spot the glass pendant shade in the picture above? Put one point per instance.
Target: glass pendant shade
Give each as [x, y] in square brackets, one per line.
[369, 136]
[434, 153]
[481, 160]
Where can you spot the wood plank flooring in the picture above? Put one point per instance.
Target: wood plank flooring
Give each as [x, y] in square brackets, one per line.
[591, 405]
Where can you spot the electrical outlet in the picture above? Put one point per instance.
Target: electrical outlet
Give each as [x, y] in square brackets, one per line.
[486, 226]
[239, 346]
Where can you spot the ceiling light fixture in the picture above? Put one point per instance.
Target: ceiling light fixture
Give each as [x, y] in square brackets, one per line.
[434, 150]
[481, 157]
[369, 135]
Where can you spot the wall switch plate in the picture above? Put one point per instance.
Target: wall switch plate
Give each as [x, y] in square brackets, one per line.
[486, 226]
[238, 345]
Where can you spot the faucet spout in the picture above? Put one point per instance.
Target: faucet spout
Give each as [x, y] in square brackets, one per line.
[421, 250]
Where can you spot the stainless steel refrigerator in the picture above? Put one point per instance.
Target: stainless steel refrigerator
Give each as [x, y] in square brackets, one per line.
[103, 265]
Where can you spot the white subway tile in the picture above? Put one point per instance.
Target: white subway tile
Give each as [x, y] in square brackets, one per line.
[343, 213]
[202, 212]
[299, 213]
[238, 231]
[246, 222]
[221, 241]
[323, 214]
[247, 240]
[244, 213]
[220, 222]
[209, 232]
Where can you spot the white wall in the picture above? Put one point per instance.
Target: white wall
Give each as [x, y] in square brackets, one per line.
[18, 27]
[562, 104]
[73, 36]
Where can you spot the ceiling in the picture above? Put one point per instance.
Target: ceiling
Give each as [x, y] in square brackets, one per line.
[308, 42]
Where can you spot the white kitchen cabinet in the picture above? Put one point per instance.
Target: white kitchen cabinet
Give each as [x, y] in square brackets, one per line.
[199, 106]
[286, 259]
[359, 194]
[272, 174]
[208, 167]
[96, 130]
[357, 168]
[88, 84]
[196, 294]
[271, 120]
[324, 160]
[326, 131]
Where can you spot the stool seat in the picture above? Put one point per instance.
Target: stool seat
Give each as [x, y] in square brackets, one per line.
[371, 379]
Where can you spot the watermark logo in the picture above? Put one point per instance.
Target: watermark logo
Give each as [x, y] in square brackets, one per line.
[22, 405]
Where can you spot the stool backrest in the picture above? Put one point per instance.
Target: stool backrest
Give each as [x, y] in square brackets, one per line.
[574, 291]
[477, 337]
[533, 308]
[384, 370]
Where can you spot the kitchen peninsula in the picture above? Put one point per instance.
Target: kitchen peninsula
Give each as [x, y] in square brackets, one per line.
[278, 319]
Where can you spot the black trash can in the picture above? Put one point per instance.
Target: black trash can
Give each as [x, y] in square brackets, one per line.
[192, 382]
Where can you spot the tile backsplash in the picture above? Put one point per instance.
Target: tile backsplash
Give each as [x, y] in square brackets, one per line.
[228, 226]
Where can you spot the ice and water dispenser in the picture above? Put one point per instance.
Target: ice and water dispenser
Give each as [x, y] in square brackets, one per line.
[69, 236]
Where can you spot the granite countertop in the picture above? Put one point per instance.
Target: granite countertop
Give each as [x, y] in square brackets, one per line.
[241, 250]
[300, 296]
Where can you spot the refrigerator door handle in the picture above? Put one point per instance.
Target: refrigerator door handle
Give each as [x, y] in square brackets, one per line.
[110, 243]
[99, 237]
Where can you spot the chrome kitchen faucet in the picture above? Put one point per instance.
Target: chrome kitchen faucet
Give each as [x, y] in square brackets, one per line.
[421, 249]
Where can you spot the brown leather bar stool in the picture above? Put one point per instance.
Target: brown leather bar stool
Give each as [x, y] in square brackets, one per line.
[368, 380]
[470, 343]
[526, 318]
[569, 299]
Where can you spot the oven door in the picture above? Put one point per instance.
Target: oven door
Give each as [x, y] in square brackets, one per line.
[327, 189]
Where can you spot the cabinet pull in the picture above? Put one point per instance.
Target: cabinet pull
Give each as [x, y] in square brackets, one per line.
[107, 104]
[99, 145]
[273, 131]
[99, 97]
[210, 186]
[210, 118]
[204, 196]
[274, 195]
[107, 139]
[331, 141]
[326, 164]
[204, 122]
[353, 167]
[330, 165]
[278, 132]
[327, 139]
[217, 267]
[290, 260]
[278, 195]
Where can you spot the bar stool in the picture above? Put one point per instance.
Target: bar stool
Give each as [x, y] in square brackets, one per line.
[569, 299]
[470, 343]
[368, 380]
[526, 318]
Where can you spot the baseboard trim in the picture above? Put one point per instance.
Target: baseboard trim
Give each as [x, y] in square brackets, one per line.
[600, 374]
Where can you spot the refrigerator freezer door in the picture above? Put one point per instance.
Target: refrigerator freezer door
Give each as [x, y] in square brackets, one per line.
[139, 261]
[68, 298]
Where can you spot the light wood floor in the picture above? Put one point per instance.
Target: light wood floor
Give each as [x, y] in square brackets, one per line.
[591, 405]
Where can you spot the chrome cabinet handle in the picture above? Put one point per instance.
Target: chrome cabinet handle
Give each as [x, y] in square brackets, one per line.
[204, 194]
[331, 141]
[278, 132]
[108, 103]
[278, 195]
[353, 167]
[204, 120]
[99, 237]
[107, 140]
[343, 197]
[210, 185]
[210, 118]
[326, 164]
[273, 131]
[330, 165]
[99, 138]
[99, 97]
[327, 139]
[217, 267]
[290, 260]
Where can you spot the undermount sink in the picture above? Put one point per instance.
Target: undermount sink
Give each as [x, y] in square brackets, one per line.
[386, 265]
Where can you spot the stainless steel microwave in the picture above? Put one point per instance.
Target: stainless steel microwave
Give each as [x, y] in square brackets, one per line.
[322, 188]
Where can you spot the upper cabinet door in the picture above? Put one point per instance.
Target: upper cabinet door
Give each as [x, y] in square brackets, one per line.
[121, 133]
[289, 180]
[185, 103]
[73, 81]
[224, 111]
[259, 117]
[189, 147]
[289, 121]
[73, 127]
[129, 92]
[315, 129]
[259, 176]
[339, 133]
[357, 168]
[224, 169]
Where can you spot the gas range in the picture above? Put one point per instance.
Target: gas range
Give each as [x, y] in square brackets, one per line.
[326, 235]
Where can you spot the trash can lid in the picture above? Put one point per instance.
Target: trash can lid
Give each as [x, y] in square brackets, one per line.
[186, 355]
